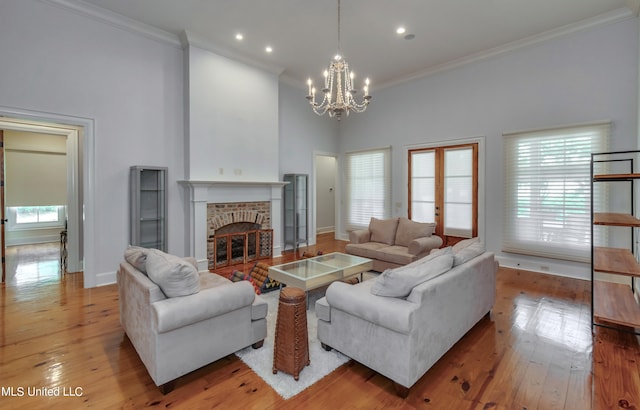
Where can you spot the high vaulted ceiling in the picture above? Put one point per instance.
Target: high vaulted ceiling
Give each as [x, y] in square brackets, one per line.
[303, 33]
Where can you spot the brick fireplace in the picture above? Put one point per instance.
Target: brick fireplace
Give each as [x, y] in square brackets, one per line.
[238, 232]
[218, 193]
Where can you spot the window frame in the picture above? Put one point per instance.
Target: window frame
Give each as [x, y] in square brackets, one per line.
[518, 235]
[13, 225]
[384, 196]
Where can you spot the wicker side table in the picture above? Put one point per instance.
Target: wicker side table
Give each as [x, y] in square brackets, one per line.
[291, 345]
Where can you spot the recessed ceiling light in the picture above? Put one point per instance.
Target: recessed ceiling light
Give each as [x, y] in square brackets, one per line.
[239, 36]
[400, 30]
[268, 49]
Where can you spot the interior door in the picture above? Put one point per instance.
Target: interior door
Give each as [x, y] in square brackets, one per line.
[3, 220]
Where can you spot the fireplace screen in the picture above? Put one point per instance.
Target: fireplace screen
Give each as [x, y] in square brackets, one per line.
[242, 247]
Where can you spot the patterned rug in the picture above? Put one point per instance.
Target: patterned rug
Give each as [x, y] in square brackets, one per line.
[261, 360]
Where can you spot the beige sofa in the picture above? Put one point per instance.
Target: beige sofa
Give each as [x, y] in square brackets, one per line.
[401, 323]
[391, 243]
[179, 320]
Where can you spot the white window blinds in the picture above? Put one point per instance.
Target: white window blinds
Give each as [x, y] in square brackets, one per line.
[547, 190]
[367, 187]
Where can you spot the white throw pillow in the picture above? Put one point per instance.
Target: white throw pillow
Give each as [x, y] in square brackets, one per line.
[464, 243]
[399, 282]
[467, 253]
[174, 275]
[137, 257]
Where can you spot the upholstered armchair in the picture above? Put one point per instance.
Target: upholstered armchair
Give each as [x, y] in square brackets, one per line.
[179, 320]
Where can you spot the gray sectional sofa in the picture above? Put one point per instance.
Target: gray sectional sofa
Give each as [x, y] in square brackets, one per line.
[179, 320]
[402, 322]
[395, 242]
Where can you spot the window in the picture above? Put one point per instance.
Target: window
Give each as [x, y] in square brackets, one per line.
[443, 188]
[35, 217]
[547, 191]
[367, 187]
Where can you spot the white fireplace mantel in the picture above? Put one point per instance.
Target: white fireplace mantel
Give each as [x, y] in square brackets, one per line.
[231, 183]
[202, 192]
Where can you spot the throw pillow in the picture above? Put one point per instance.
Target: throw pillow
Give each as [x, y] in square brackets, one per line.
[137, 257]
[464, 243]
[409, 230]
[400, 281]
[435, 253]
[174, 275]
[383, 230]
[468, 253]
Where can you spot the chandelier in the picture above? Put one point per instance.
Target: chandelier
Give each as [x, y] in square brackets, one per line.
[338, 92]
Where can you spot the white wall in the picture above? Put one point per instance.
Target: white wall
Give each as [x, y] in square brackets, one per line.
[233, 120]
[130, 86]
[582, 77]
[302, 135]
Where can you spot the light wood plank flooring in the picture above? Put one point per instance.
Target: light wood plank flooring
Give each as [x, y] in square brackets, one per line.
[535, 351]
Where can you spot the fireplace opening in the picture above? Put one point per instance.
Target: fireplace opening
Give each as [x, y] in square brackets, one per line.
[238, 233]
[241, 242]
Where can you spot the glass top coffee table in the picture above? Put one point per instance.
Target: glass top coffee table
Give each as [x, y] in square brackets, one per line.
[313, 273]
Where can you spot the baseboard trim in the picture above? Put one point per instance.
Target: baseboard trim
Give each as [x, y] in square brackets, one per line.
[547, 266]
[106, 278]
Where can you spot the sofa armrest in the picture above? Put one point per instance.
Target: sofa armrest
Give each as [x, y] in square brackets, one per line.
[360, 236]
[423, 245]
[392, 313]
[174, 313]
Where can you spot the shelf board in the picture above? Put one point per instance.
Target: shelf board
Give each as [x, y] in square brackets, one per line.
[616, 177]
[615, 260]
[614, 303]
[615, 219]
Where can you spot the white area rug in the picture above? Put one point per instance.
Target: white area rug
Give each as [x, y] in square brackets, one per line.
[261, 360]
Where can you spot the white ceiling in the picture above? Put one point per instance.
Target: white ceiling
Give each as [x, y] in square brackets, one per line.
[303, 33]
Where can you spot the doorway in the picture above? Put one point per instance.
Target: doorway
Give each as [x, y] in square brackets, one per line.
[72, 195]
[326, 166]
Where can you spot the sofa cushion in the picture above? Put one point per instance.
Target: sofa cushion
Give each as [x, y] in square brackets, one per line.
[174, 275]
[395, 254]
[399, 282]
[366, 250]
[467, 253]
[383, 230]
[211, 280]
[409, 230]
[137, 257]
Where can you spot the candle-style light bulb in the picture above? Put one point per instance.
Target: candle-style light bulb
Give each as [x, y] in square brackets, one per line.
[309, 83]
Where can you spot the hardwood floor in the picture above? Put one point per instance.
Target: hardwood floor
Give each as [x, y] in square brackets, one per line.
[535, 351]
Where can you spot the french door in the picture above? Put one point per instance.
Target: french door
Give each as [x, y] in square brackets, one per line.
[443, 188]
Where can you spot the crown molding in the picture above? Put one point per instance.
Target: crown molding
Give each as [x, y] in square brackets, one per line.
[116, 20]
[183, 40]
[600, 20]
[188, 38]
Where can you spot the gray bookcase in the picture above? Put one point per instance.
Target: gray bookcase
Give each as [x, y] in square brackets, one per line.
[148, 207]
[296, 210]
